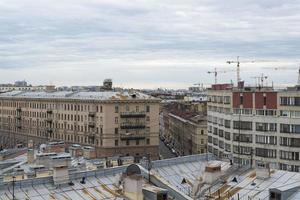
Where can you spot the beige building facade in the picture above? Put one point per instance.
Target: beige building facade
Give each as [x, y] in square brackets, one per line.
[115, 123]
[185, 127]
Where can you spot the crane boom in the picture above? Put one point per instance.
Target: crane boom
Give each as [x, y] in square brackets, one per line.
[287, 68]
[238, 61]
[215, 72]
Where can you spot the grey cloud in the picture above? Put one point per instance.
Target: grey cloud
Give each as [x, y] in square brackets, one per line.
[182, 39]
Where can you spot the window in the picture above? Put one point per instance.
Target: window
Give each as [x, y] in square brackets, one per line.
[241, 100]
[295, 114]
[148, 141]
[227, 147]
[262, 126]
[260, 112]
[291, 142]
[247, 138]
[147, 108]
[287, 155]
[284, 101]
[289, 128]
[116, 109]
[261, 139]
[221, 144]
[227, 135]
[209, 139]
[127, 142]
[116, 120]
[226, 99]
[227, 123]
[243, 125]
[270, 112]
[116, 142]
[116, 130]
[221, 133]
[266, 153]
[137, 142]
[242, 111]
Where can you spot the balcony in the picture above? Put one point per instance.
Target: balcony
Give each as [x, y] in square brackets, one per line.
[92, 114]
[129, 136]
[132, 126]
[49, 111]
[133, 114]
[18, 117]
[92, 124]
[49, 120]
[49, 130]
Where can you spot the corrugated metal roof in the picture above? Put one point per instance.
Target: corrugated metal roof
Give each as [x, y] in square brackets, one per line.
[105, 95]
[94, 188]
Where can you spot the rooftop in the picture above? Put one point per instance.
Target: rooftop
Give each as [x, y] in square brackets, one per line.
[105, 95]
[182, 177]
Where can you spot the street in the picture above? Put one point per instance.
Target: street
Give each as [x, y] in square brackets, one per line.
[164, 151]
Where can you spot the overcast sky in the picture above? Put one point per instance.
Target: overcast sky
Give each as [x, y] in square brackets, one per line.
[147, 43]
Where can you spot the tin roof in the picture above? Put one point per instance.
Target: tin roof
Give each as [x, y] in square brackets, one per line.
[105, 95]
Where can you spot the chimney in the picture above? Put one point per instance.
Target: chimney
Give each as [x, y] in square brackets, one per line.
[50, 88]
[132, 182]
[241, 84]
[212, 172]
[60, 165]
[262, 170]
[89, 152]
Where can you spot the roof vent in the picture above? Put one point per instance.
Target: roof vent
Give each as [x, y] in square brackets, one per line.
[263, 170]
[212, 172]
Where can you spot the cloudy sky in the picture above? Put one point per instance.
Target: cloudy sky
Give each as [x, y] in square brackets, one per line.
[147, 43]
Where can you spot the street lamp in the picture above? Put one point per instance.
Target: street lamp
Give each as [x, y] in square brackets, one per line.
[13, 184]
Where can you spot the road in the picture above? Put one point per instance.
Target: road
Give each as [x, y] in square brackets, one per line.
[164, 151]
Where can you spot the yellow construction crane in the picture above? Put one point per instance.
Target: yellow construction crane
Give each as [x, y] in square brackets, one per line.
[215, 72]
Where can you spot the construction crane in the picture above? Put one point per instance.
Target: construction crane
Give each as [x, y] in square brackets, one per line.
[259, 80]
[215, 72]
[238, 66]
[286, 68]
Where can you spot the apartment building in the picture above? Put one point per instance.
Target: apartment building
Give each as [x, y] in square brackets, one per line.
[255, 125]
[115, 123]
[185, 127]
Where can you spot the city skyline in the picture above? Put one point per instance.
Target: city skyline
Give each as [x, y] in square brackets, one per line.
[146, 44]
